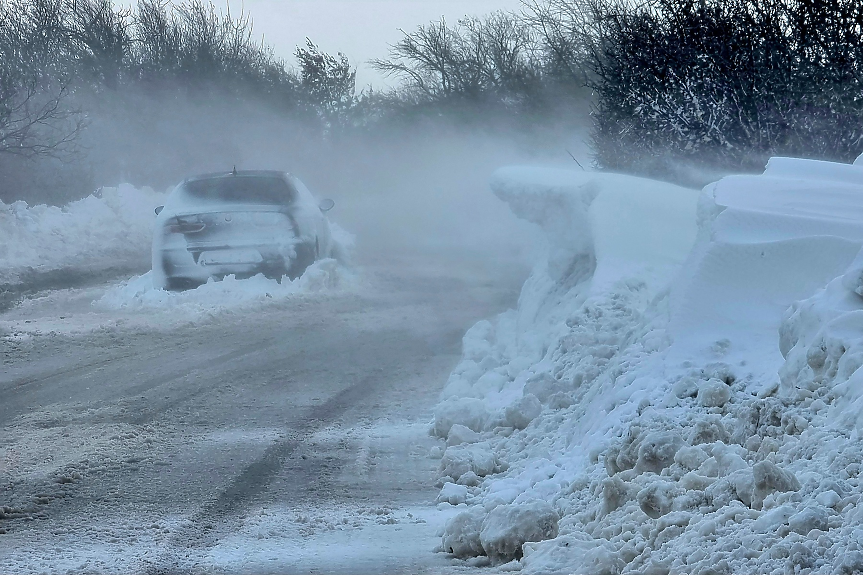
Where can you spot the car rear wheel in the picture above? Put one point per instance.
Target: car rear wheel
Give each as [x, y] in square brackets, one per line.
[306, 256]
[182, 284]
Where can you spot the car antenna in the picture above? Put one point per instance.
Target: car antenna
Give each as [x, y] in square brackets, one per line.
[234, 171]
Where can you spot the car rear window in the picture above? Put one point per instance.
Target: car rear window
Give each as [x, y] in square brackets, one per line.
[243, 189]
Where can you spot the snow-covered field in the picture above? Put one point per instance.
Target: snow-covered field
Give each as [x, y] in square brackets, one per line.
[679, 389]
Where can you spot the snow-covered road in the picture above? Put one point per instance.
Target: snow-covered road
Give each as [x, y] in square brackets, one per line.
[287, 436]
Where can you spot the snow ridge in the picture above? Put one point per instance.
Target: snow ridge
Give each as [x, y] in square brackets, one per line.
[111, 227]
[658, 402]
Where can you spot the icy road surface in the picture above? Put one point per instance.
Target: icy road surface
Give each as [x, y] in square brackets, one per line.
[288, 435]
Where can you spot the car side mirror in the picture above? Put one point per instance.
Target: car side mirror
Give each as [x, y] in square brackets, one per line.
[159, 209]
[326, 205]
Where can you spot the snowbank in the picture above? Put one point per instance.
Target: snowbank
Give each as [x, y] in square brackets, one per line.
[138, 293]
[659, 388]
[110, 228]
[768, 241]
[135, 304]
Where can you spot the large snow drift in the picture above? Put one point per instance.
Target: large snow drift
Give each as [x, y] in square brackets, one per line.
[679, 389]
[110, 228]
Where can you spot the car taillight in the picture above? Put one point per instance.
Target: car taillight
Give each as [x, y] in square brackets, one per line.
[180, 225]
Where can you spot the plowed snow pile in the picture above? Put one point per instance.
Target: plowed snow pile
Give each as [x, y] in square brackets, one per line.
[112, 227]
[138, 293]
[679, 390]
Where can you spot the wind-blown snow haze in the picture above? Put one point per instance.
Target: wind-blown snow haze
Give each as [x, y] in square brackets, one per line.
[588, 297]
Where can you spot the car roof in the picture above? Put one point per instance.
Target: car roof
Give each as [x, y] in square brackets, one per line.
[244, 173]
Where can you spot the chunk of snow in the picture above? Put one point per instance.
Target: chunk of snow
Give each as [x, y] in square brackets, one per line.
[828, 498]
[470, 479]
[657, 450]
[452, 494]
[769, 478]
[461, 459]
[521, 412]
[690, 457]
[467, 411]
[809, 518]
[773, 519]
[461, 533]
[508, 527]
[560, 555]
[657, 498]
[459, 434]
[713, 393]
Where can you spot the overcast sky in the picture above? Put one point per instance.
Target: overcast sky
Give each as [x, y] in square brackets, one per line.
[362, 29]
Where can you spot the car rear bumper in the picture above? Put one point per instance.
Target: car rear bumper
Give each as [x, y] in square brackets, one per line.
[185, 267]
[191, 248]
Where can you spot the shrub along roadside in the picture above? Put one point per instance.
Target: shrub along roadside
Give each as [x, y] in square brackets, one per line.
[92, 93]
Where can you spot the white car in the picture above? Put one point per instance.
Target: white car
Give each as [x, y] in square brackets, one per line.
[241, 223]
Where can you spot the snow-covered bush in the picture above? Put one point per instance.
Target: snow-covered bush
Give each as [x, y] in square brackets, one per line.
[718, 84]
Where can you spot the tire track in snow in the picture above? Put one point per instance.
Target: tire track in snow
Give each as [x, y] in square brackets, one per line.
[157, 409]
[63, 373]
[86, 370]
[31, 282]
[51, 490]
[221, 516]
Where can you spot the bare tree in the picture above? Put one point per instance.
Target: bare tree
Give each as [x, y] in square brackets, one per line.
[328, 84]
[98, 33]
[471, 60]
[568, 35]
[158, 40]
[35, 116]
[34, 121]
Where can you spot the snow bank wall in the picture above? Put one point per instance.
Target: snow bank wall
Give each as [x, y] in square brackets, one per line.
[112, 227]
[600, 229]
[678, 390]
[767, 241]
